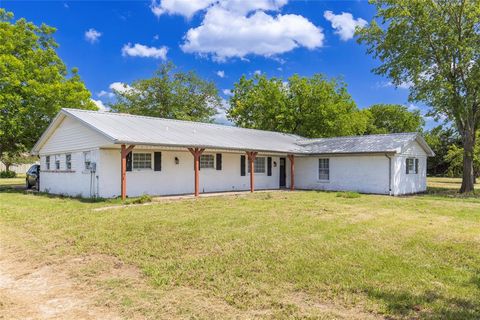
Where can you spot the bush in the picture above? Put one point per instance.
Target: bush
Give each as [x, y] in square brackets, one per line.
[348, 195]
[143, 199]
[8, 174]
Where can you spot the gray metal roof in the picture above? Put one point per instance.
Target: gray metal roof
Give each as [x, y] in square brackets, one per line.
[141, 130]
[360, 144]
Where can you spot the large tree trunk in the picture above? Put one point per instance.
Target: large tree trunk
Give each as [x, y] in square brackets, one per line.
[468, 178]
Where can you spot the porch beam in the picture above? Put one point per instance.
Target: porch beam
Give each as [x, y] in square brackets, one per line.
[196, 153]
[251, 155]
[123, 183]
[291, 157]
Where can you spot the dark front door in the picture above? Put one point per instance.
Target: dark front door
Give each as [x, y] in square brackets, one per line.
[283, 173]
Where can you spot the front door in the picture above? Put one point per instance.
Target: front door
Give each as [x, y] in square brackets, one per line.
[283, 173]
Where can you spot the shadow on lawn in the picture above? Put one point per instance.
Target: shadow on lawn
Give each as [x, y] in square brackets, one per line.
[20, 189]
[409, 306]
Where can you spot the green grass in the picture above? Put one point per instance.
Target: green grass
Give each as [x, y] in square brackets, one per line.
[272, 254]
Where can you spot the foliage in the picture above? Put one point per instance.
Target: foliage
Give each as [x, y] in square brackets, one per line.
[10, 159]
[310, 107]
[7, 174]
[393, 118]
[140, 200]
[369, 257]
[169, 94]
[454, 158]
[435, 47]
[34, 83]
[440, 139]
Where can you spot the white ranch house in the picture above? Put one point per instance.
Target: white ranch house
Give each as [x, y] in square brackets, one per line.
[102, 154]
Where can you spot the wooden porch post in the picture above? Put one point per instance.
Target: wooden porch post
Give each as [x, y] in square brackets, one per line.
[123, 185]
[196, 152]
[251, 158]
[291, 157]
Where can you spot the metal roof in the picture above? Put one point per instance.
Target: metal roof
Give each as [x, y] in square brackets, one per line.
[378, 143]
[141, 130]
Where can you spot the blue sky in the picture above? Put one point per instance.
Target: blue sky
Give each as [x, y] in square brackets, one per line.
[113, 42]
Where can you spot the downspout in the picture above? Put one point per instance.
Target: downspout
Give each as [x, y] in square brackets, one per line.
[389, 174]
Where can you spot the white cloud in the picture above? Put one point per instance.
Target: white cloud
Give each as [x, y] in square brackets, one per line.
[185, 8]
[344, 24]
[226, 34]
[221, 116]
[188, 8]
[92, 35]
[104, 93]
[403, 85]
[227, 92]
[257, 72]
[120, 87]
[221, 73]
[100, 105]
[140, 50]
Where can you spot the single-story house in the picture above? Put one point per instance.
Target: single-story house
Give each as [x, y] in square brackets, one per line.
[104, 154]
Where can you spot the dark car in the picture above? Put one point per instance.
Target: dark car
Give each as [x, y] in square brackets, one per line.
[33, 177]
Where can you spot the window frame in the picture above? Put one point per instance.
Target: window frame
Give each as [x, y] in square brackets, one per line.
[58, 164]
[327, 169]
[256, 166]
[145, 160]
[211, 160]
[68, 161]
[47, 162]
[415, 163]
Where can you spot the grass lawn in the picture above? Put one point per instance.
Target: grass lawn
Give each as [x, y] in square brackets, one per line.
[270, 255]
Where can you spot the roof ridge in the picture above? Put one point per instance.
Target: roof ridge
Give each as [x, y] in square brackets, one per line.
[362, 136]
[182, 121]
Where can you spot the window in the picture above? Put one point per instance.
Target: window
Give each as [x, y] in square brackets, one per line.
[87, 159]
[68, 161]
[207, 161]
[142, 161]
[57, 162]
[258, 165]
[47, 162]
[324, 169]
[412, 165]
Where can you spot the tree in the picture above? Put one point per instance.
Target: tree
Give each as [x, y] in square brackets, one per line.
[310, 107]
[15, 159]
[441, 139]
[454, 158]
[169, 94]
[33, 83]
[433, 45]
[393, 118]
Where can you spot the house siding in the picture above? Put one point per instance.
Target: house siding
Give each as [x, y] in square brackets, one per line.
[179, 178]
[365, 174]
[72, 135]
[410, 183]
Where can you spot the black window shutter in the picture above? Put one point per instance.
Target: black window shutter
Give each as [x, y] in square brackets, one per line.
[269, 166]
[416, 165]
[157, 161]
[219, 161]
[406, 162]
[242, 165]
[129, 161]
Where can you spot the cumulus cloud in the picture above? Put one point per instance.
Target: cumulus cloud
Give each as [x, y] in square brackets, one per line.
[120, 87]
[221, 73]
[227, 92]
[221, 116]
[104, 93]
[140, 50]
[100, 105]
[92, 35]
[186, 8]
[344, 24]
[257, 72]
[226, 34]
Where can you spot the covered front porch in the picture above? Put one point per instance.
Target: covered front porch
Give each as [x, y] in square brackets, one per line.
[196, 170]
